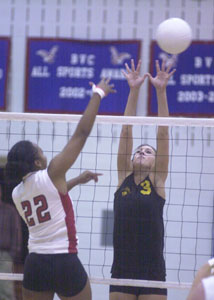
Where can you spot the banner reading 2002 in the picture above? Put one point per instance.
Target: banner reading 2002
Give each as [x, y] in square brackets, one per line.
[58, 72]
[190, 91]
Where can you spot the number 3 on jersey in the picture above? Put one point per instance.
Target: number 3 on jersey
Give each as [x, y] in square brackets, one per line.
[42, 216]
[146, 188]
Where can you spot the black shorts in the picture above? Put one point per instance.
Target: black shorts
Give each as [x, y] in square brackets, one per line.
[61, 273]
[136, 290]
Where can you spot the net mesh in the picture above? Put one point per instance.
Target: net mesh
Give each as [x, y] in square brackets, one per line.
[188, 212]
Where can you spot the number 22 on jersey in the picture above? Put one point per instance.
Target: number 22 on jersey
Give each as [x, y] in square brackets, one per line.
[41, 210]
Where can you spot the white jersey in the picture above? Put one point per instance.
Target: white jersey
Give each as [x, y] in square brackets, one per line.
[208, 284]
[48, 214]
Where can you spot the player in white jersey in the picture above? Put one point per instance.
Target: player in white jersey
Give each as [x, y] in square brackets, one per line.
[42, 199]
[50, 209]
[203, 284]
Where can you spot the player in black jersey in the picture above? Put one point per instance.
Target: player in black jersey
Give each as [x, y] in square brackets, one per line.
[138, 237]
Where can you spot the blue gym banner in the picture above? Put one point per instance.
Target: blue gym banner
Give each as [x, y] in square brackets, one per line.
[191, 90]
[4, 65]
[58, 72]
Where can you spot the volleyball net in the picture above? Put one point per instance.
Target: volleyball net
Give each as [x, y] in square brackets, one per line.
[188, 212]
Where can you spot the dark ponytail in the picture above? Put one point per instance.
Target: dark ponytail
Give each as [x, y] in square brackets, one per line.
[20, 161]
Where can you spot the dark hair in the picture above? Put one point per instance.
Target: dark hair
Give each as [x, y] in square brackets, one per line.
[20, 161]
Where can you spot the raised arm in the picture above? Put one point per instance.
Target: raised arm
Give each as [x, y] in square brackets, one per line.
[160, 169]
[84, 177]
[65, 159]
[135, 80]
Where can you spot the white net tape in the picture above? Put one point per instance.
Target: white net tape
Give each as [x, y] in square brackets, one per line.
[110, 119]
[113, 281]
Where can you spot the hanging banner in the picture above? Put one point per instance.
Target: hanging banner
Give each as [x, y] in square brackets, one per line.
[190, 91]
[58, 72]
[4, 65]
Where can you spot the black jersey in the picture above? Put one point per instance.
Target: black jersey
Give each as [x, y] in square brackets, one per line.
[138, 237]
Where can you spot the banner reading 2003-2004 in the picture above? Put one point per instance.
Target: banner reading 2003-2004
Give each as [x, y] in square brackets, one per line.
[190, 91]
[58, 72]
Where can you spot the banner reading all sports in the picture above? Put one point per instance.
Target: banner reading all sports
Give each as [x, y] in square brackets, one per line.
[58, 72]
[190, 91]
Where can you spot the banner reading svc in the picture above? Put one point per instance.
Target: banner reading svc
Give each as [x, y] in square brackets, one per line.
[191, 90]
[58, 72]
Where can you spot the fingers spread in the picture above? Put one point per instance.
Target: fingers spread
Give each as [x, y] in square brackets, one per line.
[132, 65]
[172, 72]
[138, 66]
[124, 73]
[168, 68]
[163, 65]
[157, 66]
[107, 80]
[127, 68]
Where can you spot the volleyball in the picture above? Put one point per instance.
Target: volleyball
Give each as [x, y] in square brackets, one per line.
[174, 35]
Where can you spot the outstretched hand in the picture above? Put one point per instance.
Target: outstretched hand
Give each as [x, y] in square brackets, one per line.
[86, 176]
[134, 79]
[105, 85]
[163, 75]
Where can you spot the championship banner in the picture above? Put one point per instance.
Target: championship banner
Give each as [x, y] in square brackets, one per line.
[190, 91]
[58, 72]
[4, 64]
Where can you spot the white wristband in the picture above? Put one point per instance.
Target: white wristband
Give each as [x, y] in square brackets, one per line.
[211, 262]
[98, 90]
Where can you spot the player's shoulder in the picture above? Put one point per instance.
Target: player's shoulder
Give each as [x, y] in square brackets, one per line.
[42, 179]
[16, 191]
[29, 181]
[126, 179]
[39, 174]
[39, 177]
